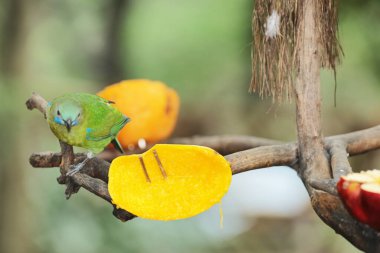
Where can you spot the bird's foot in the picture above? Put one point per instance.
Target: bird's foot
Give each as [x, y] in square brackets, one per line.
[76, 168]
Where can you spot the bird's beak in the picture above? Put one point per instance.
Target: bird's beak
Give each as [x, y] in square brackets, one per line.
[68, 125]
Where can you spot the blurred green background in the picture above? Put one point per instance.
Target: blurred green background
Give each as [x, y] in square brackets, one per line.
[202, 49]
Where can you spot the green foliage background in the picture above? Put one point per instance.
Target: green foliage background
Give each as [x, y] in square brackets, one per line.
[202, 49]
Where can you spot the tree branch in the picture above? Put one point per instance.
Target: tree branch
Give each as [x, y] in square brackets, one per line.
[314, 161]
[285, 154]
[339, 159]
[37, 102]
[94, 176]
[226, 144]
[265, 156]
[356, 140]
[262, 157]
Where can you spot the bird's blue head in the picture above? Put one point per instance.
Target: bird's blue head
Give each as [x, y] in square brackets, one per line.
[67, 113]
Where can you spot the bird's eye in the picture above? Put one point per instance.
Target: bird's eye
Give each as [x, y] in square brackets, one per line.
[58, 113]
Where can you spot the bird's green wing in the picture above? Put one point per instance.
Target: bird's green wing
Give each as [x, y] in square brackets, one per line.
[100, 132]
[103, 120]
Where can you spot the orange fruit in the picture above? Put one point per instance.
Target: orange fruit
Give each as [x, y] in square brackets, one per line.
[152, 106]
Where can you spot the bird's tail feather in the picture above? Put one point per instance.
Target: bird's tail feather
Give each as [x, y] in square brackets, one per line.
[117, 145]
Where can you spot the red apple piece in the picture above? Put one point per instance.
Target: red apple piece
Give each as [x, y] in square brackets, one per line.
[349, 191]
[371, 203]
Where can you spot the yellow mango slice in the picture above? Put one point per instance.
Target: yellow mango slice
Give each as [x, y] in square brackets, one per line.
[191, 180]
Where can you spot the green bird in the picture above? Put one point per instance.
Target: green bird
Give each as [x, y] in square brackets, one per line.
[85, 120]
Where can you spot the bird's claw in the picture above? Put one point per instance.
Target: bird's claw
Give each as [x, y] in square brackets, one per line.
[79, 166]
[75, 169]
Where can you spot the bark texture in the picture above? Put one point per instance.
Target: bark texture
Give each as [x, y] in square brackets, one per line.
[315, 164]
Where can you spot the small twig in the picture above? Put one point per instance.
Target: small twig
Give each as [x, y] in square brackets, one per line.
[37, 102]
[144, 169]
[339, 159]
[163, 172]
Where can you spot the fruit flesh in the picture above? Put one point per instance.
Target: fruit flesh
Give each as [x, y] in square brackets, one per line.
[197, 178]
[371, 202]
[360, 193]
[350, 194]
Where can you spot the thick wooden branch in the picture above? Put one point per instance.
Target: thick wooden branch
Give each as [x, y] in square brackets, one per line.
[266, 154]
[313, 162]
[96, 168]
[67, 161]
[340, 147]
[262, 157]
[315, 165]
[223, 144]
[226, 144]
[95, 186]
[333, 213]
[358, 142]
